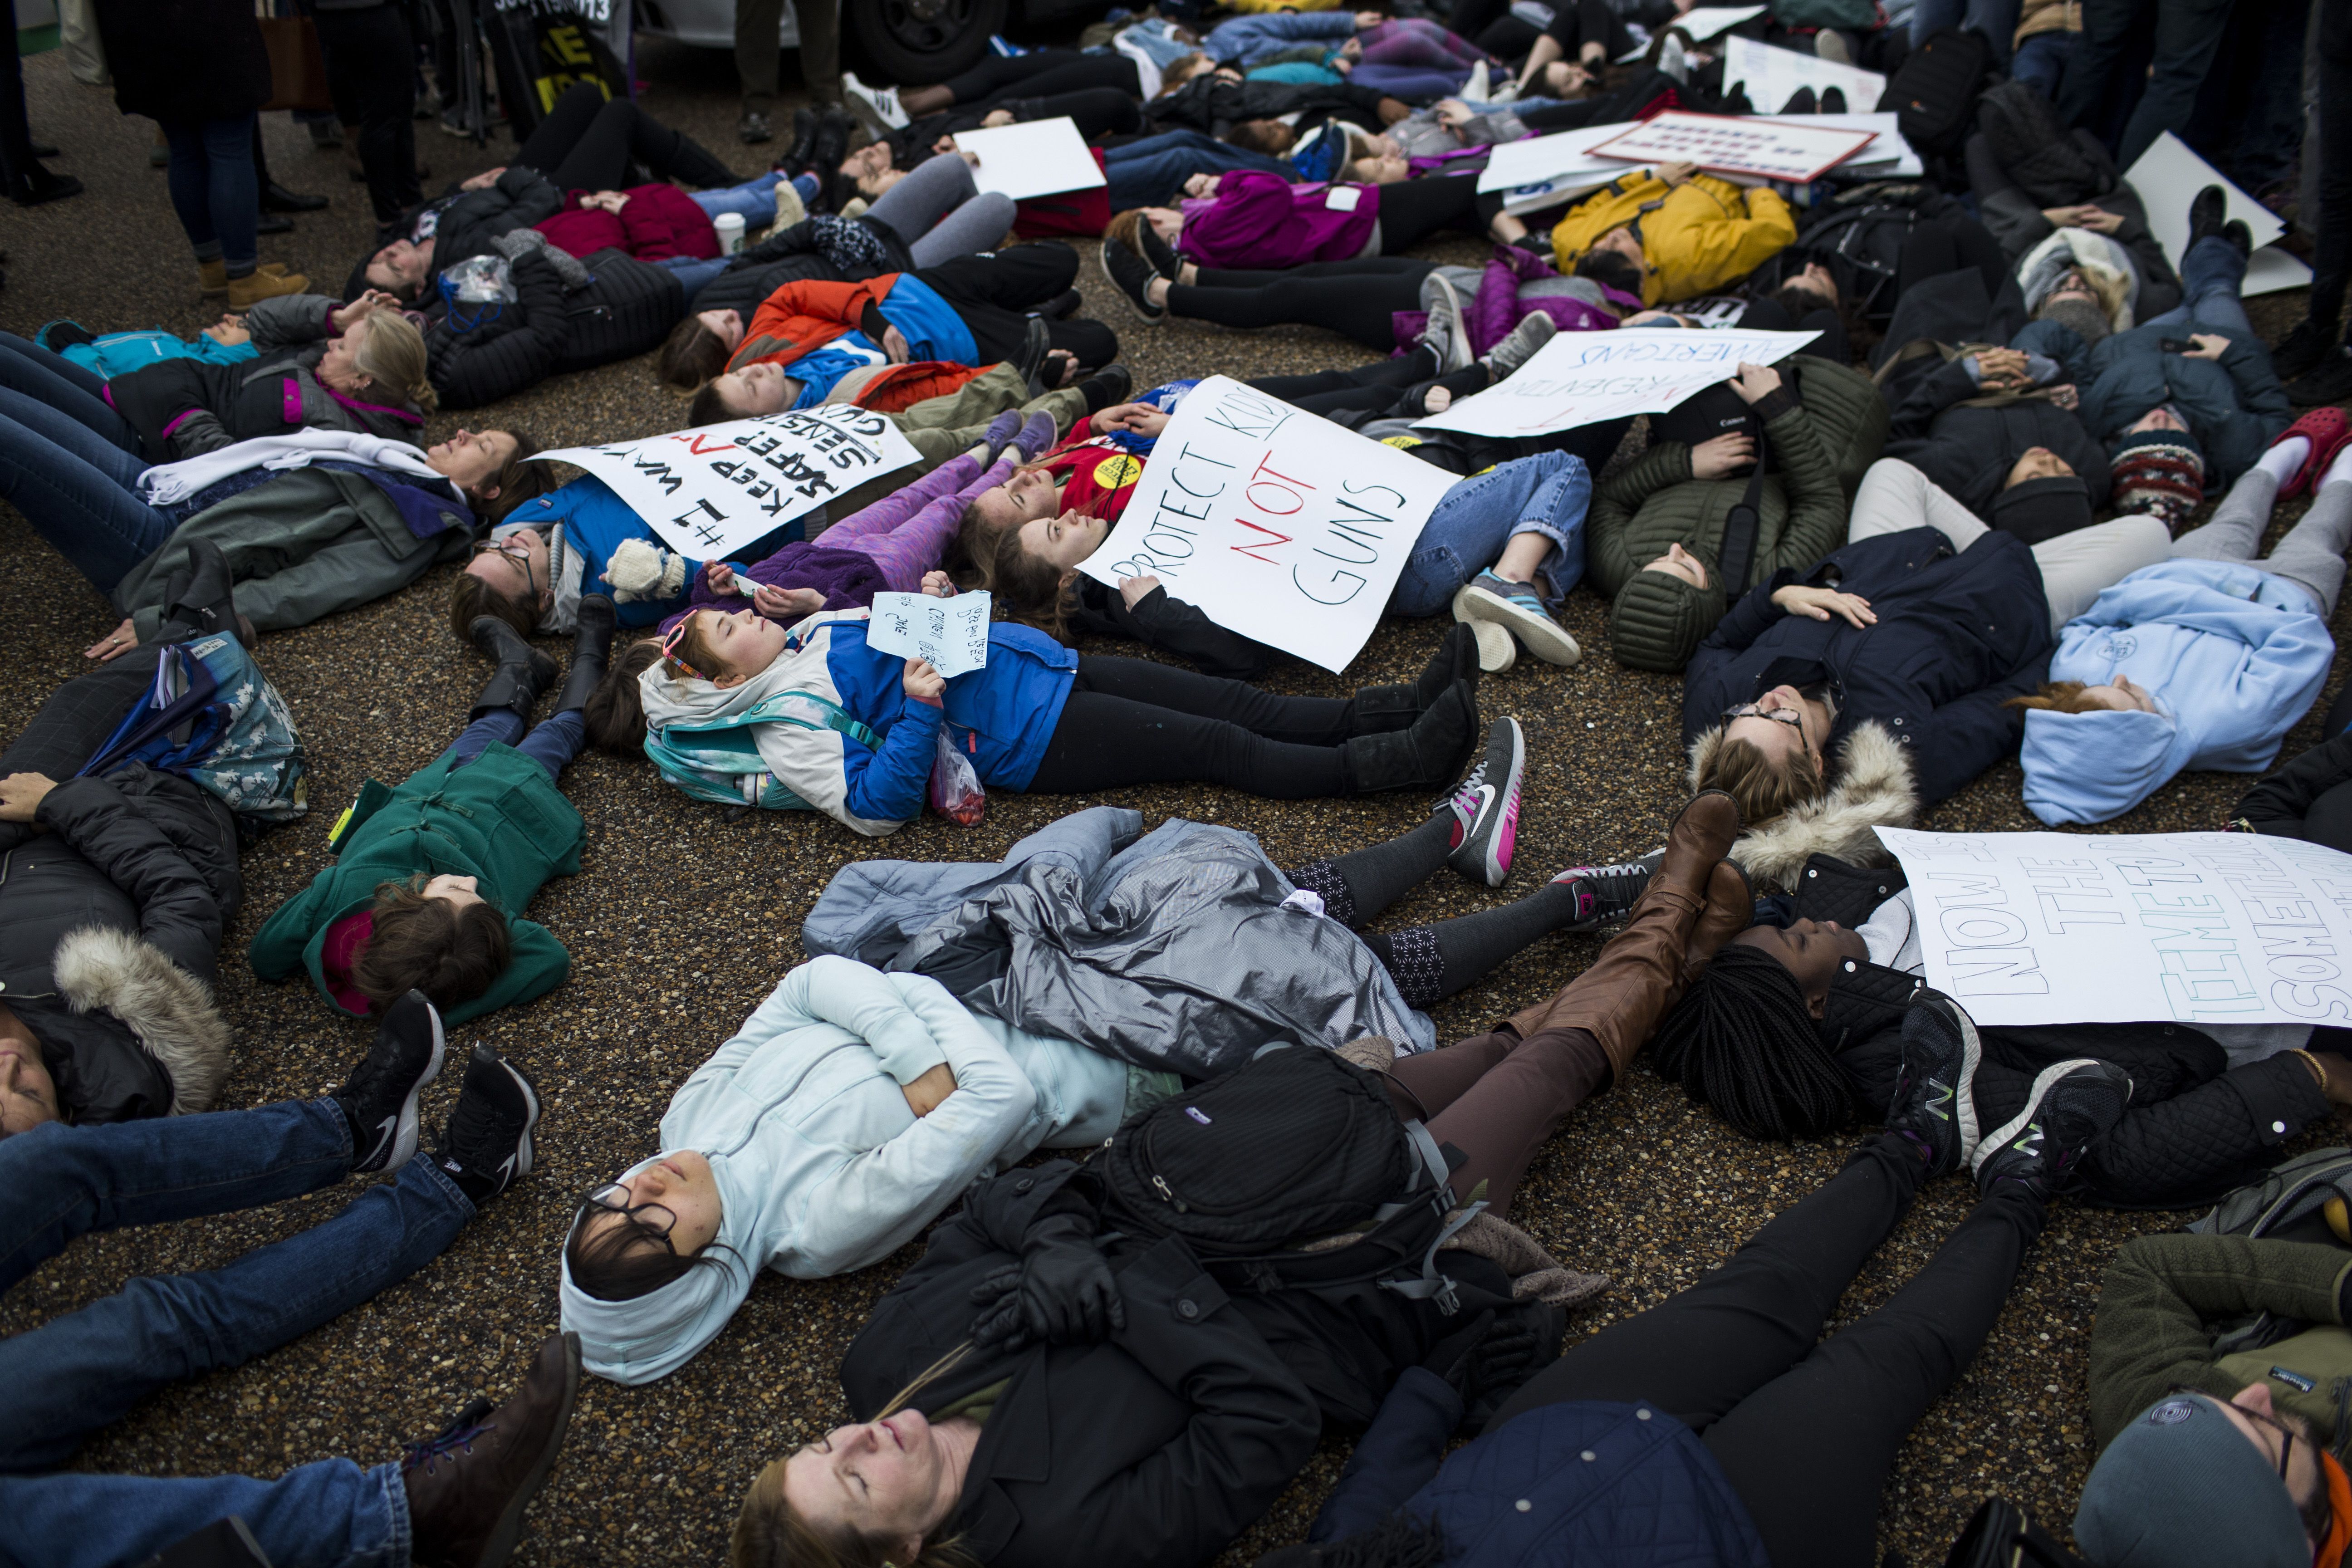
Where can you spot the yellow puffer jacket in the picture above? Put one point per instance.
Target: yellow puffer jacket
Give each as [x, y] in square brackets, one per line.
[1695, 237]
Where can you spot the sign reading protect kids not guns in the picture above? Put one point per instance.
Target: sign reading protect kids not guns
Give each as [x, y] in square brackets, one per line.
[2198, 927]
[1275, 524]
[711, 491]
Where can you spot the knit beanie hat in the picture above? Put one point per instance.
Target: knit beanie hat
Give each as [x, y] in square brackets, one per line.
[2086, 320]
[2159, 472]
[2182, 1485]
[2043, 508]
[1658, 620]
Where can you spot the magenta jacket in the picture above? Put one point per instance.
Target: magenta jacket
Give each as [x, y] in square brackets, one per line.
[1263, 221]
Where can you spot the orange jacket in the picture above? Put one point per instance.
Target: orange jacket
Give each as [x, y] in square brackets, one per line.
[800, 318]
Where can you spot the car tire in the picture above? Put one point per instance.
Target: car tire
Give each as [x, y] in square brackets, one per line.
[916, 42]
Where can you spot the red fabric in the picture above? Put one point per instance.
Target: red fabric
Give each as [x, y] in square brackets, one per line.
[655, 223]
[903, 385]
[1098, 475]
[345, 938]
[1082, 213]
[800, 318]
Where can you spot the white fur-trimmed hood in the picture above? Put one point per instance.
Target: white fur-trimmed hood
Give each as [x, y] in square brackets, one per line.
[1874, 787]
[169, 1011]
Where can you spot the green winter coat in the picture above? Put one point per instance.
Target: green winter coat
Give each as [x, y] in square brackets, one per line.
[2164, 1296]
[302, 546]
[500, 818]
[1820, 441]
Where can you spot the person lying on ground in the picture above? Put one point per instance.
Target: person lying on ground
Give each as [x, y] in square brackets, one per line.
[2024, 463]
[1797, 1035]
[1695, 232]
[2205, 660]
[1251, 221]
[838, 727]
[431, 876]
[108, 355]
[1661, 529]
[1689, 1406]
[871, 168]
[2306, 798]
[1102, 1388]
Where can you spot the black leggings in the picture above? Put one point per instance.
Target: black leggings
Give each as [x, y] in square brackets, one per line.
[995, 292]
[1043, 71]
[1412, 210]
[1807, 1430]
[1131, 721]
[1357, 298]
[372, 75]
[585, 144]
[1380, 388]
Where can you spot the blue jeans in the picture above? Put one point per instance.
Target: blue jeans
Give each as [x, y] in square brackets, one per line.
[1994, 20]
[332, 1514]
[2211, 274]
[2040, 62]
[754, 200]
[694, 274]
[1151, 171]
[552, 745]
[76, 1374]
[1546, 494]
[26, 367]
[76, 489]
[215, 189]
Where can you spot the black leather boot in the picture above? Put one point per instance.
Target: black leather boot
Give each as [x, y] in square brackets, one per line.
[1428, 755]
[803, 148]
[523, 671]
[592, 649]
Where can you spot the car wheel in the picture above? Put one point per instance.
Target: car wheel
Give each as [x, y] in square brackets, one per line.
[912, 42]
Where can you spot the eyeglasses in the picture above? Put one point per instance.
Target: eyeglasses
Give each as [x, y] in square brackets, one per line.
[655, 1219]
[514, 549]
[1789, 716]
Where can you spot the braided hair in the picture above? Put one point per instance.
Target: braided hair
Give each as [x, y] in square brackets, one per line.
[1743, 1041]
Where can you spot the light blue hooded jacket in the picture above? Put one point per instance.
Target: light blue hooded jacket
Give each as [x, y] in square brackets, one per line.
[821, 1166]
[2232, 656]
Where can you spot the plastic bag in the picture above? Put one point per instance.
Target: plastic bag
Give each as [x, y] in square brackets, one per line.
[955, 792]
[478, 280]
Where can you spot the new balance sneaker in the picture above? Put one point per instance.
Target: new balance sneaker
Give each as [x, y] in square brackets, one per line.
[1442, 304]
[1519, 609]
[1934, 1099]
[1606, 893]
[1535, 330]
[2070, 1105]
[1485, 807]
[487, 1142]
[468, 1488]
[1131, 276]
[380, 1098]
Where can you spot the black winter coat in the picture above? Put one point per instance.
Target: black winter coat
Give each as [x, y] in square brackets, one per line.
[1956, 635]
[1968, 452]
[2196, 1127]
[464, 222]
[1211, 103]
[184, 62]
[2310, 799]
[625, 308]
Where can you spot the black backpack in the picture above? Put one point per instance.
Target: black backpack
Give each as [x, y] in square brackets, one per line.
[1295, 1146]
[1859, 236]
[1933, 95]
[2002, 1535]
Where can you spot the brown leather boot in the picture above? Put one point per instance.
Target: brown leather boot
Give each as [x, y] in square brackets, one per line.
[468, 1488]
[1731, 909]
[1638, 974]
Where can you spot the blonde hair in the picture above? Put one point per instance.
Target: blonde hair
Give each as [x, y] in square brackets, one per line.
[392, 357]
[2059, 697]
[1761, 787]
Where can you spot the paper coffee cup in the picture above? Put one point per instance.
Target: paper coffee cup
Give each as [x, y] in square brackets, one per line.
[730, 232]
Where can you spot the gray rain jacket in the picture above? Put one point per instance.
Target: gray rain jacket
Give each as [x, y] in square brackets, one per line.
[1169, 950]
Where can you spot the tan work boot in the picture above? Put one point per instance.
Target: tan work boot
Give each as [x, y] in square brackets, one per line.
[468, 1488]
[249, 290]
[1731, 909]
[1639, 975]
[212, 278]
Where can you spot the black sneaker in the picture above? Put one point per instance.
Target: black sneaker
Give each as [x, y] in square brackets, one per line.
[2241, 239]
[1131, 276]
[2206, 211]
[1605, 893]
[379, 1097]
[2071, 1104]
[2306, 350]
[1934, 1089]
[487, 1142]
[1485, 807]
[2331, 383]
[1107, 387]
[1158, 252]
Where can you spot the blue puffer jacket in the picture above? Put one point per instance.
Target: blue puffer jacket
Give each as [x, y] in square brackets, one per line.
[595, 523]
[2234, 406]
[1588, 1485]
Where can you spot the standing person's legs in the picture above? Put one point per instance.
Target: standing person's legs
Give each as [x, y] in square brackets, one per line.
[1810, 1451]
[2042, 61]
[2077, 567]
[330, 1512]
[1478, 520]
[370, 53]
[2186, 33]
[233, 191]
[77, 1374]
[2099, 92]
[820, 29]
[64, 387]
[1894, 496]
[1412, 210]
[758, 24]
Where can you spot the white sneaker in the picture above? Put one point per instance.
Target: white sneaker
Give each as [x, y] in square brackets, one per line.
[878, 106]
[1476, 88]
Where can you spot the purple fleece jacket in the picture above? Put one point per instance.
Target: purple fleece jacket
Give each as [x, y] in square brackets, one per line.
[848, 578]
[1258, 220]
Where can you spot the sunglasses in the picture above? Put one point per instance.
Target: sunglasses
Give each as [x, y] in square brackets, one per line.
[656, 1219]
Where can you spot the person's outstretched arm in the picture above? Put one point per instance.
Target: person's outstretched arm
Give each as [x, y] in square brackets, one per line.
[2279, 804]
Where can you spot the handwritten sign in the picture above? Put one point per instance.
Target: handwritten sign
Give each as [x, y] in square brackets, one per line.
[1735, 144]
[1584, 378]
[2198, 928]
[952, 635]
[1275, 524]
[712, 491]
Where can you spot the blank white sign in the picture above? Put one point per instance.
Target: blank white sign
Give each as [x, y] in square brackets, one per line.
[1040, 158]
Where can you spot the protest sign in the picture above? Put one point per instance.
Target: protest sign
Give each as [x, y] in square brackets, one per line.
[2198, 927]
[1702, 23]
[707, 492]
[950, 634]
[1565, 155]
[1732, 144]
[1273, 523]
[1035, 158]
[1772, 76]
[1584, 378]
[2167, 177]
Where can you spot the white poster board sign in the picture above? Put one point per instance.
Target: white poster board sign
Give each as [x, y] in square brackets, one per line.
[1584, 378]
[1738, 144]
[1275, 523]
[950, 634]
[712, 491]
[2197, 927]
[1037, 158]
[1773, 76]
[2167, 177]
[1889, 156]
[1564, 154]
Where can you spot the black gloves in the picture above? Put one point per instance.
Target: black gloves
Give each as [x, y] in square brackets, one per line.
[1061, 1291]
[1489, 1357]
